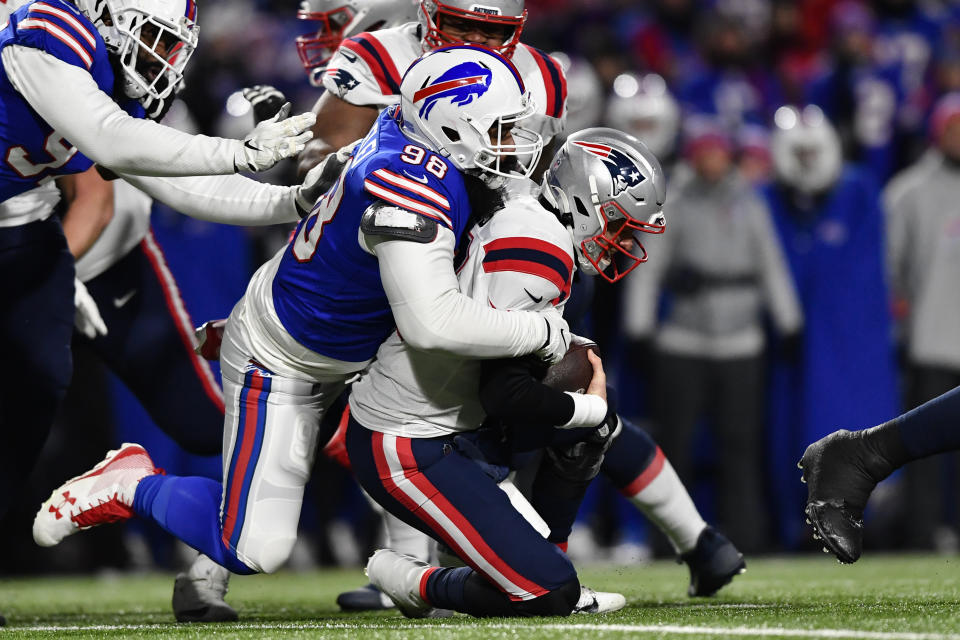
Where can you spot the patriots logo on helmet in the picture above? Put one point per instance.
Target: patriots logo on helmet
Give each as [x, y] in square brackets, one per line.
[461, 84]
[623, 171]
[343, 79]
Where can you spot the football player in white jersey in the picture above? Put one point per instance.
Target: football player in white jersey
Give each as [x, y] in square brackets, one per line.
[364, 74]
[414, 440]
[314, 315]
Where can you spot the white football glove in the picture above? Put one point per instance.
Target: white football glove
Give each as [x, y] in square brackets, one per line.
[319, 179]
[558, 337]
[273, 140]
[87, 319]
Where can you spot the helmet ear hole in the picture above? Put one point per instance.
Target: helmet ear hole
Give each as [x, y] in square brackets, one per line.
[452, 134]
[581, 208]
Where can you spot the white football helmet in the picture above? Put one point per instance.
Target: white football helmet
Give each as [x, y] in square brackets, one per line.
[807, 153]
[509, 15]
[468, 103]
[334, 20]
[606, 185]
[153, 41]
[644, 107]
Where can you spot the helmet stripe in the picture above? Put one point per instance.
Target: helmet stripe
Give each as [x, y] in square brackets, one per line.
[191, 12]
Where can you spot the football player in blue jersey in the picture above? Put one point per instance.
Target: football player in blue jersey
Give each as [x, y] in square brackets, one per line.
[76, 83]
[374, 255]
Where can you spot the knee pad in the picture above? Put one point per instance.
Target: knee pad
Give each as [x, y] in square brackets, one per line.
[559, 602]
[268, 555]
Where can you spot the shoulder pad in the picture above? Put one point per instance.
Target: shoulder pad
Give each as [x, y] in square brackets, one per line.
[400, 224]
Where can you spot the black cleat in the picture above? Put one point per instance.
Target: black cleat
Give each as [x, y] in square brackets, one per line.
[841, 470]
[713, 563]
[366, 598]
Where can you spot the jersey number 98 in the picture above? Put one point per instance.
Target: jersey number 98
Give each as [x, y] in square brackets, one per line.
[413, 154]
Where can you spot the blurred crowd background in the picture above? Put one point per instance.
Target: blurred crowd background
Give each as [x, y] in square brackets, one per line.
[786, 299]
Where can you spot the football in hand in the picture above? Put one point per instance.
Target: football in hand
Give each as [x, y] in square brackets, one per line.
[574, 372]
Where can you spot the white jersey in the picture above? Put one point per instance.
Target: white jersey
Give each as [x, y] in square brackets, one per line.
[366, 70]
[522, 258]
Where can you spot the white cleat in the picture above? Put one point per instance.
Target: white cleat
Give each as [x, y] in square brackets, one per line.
[399, 575]
[599, 601]
[198, 594]
[102, 495]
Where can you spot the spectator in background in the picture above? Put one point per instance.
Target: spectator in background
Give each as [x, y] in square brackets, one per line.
[721, 267]
[830, 224]
[754, 162]
[663, 39]
[734, 85]
[923, 244]
[644, 107]
[860, 97]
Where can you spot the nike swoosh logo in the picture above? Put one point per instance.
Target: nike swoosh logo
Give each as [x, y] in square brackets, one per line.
[533, 297]
[348, 55]
[119, 302]
[422, 179]
[249, 145]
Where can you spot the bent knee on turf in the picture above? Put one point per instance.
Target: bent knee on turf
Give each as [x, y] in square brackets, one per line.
[558, 602]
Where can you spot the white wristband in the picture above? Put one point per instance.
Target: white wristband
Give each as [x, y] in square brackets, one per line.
[588, 411]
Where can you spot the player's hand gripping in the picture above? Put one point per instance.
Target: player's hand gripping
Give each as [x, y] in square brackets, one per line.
[87, 320]
[598, 384]
[558, 337]
[265, 100]
[273, 140]
[319, 179]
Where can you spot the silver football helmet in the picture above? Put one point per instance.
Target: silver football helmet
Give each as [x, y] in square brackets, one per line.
[644, 107]
[334, 20]
[506, 16]
[606, 184]
[153, 41]
[807, 153]
[469, 103]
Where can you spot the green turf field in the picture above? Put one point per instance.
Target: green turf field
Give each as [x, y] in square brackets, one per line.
[881, 597]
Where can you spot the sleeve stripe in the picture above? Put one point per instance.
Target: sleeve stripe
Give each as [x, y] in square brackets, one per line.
[411, 205]
[553, 81]
[412, 185]
[389, 84]
[527, 260]
[375, 47]
[532, 244]
[59, 34]
[530, 268]
[81, 30]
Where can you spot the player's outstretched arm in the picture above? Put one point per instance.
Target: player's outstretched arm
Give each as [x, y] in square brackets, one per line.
[433, 315]
[89, 201]
[69, 100]
[235, 200]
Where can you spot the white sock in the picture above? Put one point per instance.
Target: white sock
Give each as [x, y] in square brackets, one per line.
[403, 538]
[660, 495]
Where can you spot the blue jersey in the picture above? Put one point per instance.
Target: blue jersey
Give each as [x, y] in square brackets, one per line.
[327, 291]
[31, 149]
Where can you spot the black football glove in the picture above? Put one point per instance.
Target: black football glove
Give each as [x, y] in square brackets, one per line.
[581, 461]
[265, 100]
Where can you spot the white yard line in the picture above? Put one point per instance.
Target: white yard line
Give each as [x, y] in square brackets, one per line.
[774, 632]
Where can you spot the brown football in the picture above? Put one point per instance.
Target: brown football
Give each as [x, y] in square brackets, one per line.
[574, 371]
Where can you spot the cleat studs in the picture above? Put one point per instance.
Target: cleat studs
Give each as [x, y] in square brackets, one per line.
[816, 537]
[825, 550]
[808, 521]
[803, 480]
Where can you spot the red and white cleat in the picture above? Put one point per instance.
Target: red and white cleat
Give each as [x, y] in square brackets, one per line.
[103, 494]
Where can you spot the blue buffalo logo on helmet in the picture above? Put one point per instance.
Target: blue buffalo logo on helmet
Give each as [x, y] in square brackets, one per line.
[623, 171]
[461, 84]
